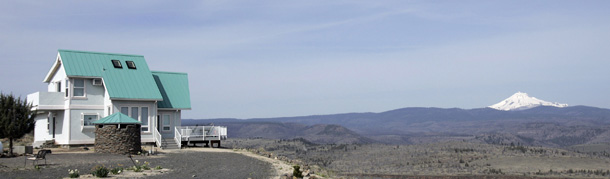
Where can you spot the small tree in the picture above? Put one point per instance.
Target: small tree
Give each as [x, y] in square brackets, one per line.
[16, 118]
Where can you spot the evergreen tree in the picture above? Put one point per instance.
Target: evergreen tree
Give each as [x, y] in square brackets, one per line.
[16, 118]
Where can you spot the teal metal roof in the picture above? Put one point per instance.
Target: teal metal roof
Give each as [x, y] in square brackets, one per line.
[121, 83]
[117, 118]
[174, 88]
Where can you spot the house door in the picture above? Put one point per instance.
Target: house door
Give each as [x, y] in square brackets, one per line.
[164, 124]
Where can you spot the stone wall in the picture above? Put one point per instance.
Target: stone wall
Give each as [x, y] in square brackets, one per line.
[109, 139]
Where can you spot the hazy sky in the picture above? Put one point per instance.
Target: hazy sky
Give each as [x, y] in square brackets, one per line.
[250, 59]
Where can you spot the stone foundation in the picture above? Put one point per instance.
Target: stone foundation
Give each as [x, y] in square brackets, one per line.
[109, 139]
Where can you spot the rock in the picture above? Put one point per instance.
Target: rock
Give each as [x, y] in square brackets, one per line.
[194, 176]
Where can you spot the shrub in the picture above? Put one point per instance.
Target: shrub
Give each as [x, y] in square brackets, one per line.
[137, 168]
[296, 172]
[116, 170]
[140, 167]
[146, 166]
[73, 173]
[100, 171]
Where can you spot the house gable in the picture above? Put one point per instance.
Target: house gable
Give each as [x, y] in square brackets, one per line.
[56, 66]
[174, 88]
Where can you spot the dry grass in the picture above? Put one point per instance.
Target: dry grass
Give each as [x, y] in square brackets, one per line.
[443, 158]
[25, 140]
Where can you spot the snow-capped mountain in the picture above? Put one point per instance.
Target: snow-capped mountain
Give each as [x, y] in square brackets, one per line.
[521, 101]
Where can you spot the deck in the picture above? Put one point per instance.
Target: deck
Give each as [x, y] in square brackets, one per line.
[191, 135]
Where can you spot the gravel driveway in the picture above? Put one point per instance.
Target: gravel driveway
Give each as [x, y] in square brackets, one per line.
[183, 164]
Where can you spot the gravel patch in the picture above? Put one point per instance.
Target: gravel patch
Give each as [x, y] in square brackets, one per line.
[181, 163]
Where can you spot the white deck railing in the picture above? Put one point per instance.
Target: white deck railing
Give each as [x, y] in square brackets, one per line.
[157, 136]
[178, 137]
[200, 133]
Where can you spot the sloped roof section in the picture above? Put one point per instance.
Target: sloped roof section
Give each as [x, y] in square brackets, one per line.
[117, 118]
[174, 88]
[121, 83]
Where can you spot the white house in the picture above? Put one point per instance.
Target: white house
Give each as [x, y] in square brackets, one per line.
[86, 86]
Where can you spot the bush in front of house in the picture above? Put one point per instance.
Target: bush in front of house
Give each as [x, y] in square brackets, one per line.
[100, 171]
[73, 173]
[116, 170]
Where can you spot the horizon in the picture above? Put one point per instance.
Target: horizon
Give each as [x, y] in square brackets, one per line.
[570, 106]
[275, 59]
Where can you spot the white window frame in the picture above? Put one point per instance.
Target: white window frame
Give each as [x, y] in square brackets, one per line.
[82, 120]
[99, 80]
[58, 86]
[169, 126]
[67, 91]
[129, 109]
[84, 96]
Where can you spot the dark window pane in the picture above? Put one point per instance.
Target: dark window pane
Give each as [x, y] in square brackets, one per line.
[144, 116]
[131, 64]
[117, 64]
[89, 119]
[125, 110]
[134, 113]
[79, 82]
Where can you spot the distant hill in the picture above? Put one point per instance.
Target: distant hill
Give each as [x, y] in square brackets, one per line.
[542, 125]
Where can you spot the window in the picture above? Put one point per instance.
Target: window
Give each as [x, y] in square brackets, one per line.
[134, 113]
[117, 64]
[125, 110]
[166, 122]
[58, 86]
[88, 119]
[138, 113]
[131, 64]
[144, 119]
[78, 88]
[67, 86]
[97, 81]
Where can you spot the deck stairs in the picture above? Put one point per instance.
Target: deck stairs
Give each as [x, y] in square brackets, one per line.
[169, 144]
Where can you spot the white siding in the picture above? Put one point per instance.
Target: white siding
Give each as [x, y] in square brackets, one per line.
[94, 95]
[44, 132]
[108, 109]
[41, 133]
[60, 75]
[175, 121]
[152, 109]
[78, 135]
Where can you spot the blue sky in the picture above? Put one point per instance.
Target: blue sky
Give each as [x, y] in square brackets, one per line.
[250, 59]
